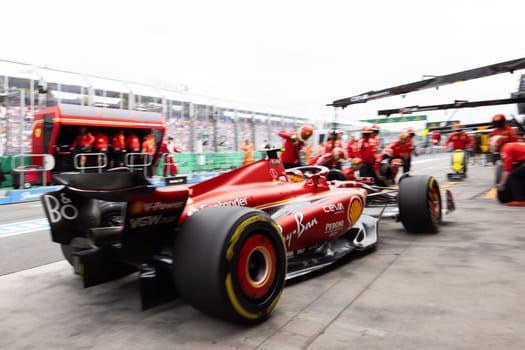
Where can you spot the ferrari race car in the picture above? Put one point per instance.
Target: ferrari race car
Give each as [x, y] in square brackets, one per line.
[227, 244]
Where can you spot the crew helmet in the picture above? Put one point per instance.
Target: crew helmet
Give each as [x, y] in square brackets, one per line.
[366, 130]
[305, 132]
[498, 121]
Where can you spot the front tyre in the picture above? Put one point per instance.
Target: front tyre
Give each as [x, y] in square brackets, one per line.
[230, 262]
[420, 204]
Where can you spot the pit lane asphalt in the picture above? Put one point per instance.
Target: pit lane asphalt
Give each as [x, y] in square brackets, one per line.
[459, 289]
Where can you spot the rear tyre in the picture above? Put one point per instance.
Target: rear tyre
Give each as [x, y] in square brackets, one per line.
[230, 262]
[420, 204]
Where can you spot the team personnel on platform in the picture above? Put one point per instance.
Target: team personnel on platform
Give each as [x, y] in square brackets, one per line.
[84, 141]
[293, 143]
[133, 143]
[118, 147]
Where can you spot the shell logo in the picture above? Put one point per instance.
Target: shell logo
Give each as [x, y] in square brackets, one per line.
[38, 132]
[355, 209]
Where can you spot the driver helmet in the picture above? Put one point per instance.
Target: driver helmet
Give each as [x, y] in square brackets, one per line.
[495, 142]
[375, 129]
[338, 153]
[295, 175]
[498, 121]
[305, 132]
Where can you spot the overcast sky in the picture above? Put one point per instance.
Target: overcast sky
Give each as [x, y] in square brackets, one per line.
[293, 56]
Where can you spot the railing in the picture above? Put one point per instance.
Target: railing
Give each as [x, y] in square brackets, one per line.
[18, 166]
[138, 160]
[84, 161]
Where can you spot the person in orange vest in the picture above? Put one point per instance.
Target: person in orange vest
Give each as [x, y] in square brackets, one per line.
[293, 143]
[247, 147]
[167, 148]
[118, 147]
[148, 149]
[308, 150]
[148, 144]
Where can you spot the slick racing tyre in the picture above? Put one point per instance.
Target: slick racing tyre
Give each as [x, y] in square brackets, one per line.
[230, 262]
[420, 204]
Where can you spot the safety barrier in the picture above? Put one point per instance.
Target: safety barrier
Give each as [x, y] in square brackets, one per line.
[138, 161]
[84, 161]
[32, 173]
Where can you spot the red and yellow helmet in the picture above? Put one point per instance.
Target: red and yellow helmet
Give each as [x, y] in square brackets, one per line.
[295, 175]
[498, 118]
[305, 132]
[499, 121]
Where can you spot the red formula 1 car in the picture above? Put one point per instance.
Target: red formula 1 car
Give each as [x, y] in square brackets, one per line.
[227, 244]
